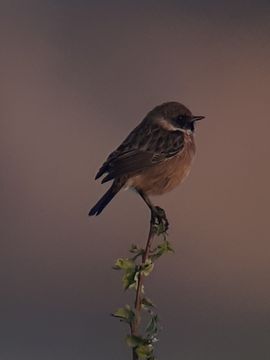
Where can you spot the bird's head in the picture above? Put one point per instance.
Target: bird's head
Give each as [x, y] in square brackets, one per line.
[174, 116]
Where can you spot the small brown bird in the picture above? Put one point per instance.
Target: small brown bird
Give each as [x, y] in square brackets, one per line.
[154, 158]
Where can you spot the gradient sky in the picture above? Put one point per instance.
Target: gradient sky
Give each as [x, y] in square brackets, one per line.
[76, 77]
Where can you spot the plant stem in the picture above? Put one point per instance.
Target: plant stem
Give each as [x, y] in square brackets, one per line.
[138, 300]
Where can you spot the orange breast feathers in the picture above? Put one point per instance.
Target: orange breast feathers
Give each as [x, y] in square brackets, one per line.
[168, 174]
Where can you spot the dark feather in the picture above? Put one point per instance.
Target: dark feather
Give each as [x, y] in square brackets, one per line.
[101, 171]
[106, 198]
[146, 146]
[130, 163]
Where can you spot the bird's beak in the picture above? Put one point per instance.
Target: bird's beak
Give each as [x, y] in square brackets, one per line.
[197, 118]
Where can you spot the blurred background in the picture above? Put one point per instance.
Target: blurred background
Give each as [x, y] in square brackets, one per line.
[76, 77]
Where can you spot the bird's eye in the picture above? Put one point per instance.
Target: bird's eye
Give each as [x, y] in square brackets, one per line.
[181, 119]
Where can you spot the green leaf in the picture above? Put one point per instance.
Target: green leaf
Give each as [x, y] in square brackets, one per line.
[130, 276]
[125, 314]
[144, 352]
[152, 326]
[147, 303]
[169, 246]
[133, 248]
[143, 349]
[147, 267]
[124, 264]
[161, 249]
[130, 279]
[134, 341]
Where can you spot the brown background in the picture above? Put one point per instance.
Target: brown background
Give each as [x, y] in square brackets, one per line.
[76, 77]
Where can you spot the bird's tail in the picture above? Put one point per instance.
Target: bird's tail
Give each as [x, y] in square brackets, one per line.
[104, 201]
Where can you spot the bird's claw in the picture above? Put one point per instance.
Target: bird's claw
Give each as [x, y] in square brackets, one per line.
[159, 219]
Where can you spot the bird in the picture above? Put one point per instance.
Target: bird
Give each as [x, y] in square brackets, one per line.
[154, 158]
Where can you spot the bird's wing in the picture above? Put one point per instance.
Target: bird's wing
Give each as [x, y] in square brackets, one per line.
[146, 146]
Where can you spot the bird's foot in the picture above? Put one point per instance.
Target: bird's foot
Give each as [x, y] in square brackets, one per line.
[159, 219]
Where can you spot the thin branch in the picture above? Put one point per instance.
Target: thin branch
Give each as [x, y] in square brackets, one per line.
[134, 273]
[138, 300]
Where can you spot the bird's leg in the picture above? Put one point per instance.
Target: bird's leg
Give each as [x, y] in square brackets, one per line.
[158, 215]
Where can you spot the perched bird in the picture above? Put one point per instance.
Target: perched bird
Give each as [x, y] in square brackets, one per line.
[154, 158]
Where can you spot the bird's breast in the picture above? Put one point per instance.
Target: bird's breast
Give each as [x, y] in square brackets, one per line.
[168, 174]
